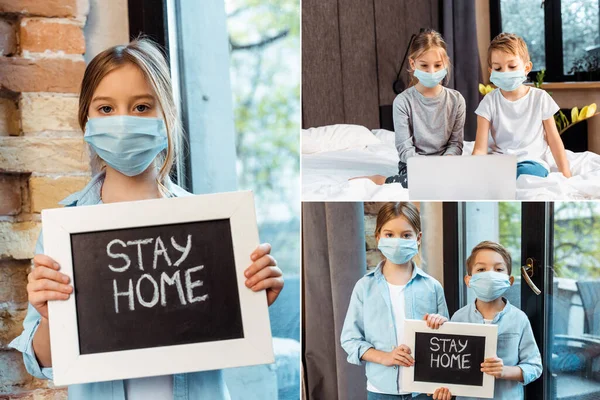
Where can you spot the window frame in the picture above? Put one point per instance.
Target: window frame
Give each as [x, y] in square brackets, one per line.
[552, 34]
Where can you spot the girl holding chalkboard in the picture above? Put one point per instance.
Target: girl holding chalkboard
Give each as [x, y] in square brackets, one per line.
[397, 289]
[128, 113]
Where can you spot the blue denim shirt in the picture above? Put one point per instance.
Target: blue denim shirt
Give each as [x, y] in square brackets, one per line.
[370, 320]
[516, 346]
[205, 385]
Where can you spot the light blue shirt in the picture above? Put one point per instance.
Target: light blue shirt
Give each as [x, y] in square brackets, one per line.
[205, 385]
[370, 320]
[516, 346]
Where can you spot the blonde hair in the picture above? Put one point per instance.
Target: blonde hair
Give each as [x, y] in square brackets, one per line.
[488, 245]
[424, 41]
[147, 56]
[511, 44]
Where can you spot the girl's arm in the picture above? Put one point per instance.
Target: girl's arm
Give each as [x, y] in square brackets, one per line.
[353, 332]
[557, 147]
[404, 138]
[457, 137]
[41, 344]
[481, 138]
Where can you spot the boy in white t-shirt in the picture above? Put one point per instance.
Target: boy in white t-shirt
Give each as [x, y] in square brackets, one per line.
[518, 119]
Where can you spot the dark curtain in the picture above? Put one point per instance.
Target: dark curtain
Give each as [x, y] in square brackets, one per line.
[334, 259]
[459, 29]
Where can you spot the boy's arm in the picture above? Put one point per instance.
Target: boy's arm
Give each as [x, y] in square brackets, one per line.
[530, 360]
[557, 147]
[481, 138]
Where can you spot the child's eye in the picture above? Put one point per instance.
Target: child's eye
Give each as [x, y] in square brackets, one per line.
[105, 109]
[388, 235]
[496, 69]
[142, 108]
[407, 236]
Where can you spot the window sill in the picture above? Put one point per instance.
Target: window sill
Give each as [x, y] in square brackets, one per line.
[569, 85]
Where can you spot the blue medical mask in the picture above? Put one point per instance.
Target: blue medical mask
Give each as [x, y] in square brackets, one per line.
[430, 79]
[127, 144]
[489, 285]
[397, 250]
[508, 81]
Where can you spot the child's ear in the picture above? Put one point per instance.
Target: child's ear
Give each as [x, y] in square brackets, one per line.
[512, 280]
[467, 280]
[419, 236]
[411, 62]
[528, 67]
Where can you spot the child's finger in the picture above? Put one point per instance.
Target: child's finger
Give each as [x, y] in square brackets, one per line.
[265, 273]
[38, 298]
[261, 250]
[41, 285]
[42, 259]
[404, 348]
[260, 263]
[42, 272]
[405, 361]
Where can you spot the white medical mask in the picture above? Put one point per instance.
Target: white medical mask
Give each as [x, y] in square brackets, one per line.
[126, 143]
[489, 285]
[428, 79]
[508, 81]
[398, 250]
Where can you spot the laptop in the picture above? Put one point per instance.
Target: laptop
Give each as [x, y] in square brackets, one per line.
[491, 177]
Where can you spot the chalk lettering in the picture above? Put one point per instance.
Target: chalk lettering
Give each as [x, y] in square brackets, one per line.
[162, 252]
[128, 293]
[191, 285]
[139, 243]
[151, 303]
[184, 250]
[434, 346]
[118, 255]
[175, 279]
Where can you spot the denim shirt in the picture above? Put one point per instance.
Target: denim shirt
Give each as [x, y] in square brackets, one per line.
[516, 346]
[370, 320]
[205, 385]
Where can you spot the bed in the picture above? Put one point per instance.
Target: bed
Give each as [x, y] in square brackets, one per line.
[333, 154]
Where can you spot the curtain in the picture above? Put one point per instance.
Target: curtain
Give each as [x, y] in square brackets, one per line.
[334, 259]
[459, 29]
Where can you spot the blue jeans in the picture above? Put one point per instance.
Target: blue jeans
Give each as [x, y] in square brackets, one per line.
[380, 396]
[531, 168]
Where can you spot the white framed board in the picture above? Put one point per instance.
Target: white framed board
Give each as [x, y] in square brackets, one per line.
[158, 288]
[451, 357]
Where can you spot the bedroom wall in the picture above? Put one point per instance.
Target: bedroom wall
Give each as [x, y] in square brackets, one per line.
[351, 50]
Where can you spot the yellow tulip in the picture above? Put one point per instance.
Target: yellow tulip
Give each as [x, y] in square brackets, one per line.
[482, 89]
[591, 110]
[574, 114]
[583, 113]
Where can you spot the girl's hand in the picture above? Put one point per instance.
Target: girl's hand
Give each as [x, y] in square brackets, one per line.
[399, 356]
[442, 394]
[263, 273]
[493, 366]
[46, 283]
[434, 321]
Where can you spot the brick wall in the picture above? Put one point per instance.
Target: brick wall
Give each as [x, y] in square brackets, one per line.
[42, 155]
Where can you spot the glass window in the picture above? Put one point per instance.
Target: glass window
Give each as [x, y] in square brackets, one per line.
[526, 19]
[501, 223]
[575, 318]
[580, 33]
[265, 75]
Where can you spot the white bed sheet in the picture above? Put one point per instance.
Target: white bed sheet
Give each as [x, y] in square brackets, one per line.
[325, 176]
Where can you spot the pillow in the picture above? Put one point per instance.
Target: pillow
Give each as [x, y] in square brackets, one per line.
[336, 137]
[386, 137]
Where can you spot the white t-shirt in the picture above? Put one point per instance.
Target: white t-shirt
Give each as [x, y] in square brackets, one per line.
[152, 387]
[397, 297]
[516, 126]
